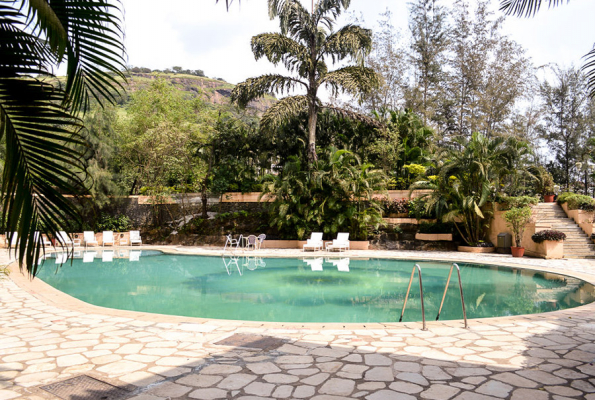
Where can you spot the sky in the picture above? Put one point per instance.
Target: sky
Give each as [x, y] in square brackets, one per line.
[200, 34]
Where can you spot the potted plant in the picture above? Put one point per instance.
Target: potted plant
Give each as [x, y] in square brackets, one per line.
[517, 219]
[546, 186]
[549, 243]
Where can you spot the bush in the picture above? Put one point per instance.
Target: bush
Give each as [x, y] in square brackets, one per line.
[581, 202]
[563, 197]
[518, 202]
[417, 209]
[400, 206]
[120, 223]
[435, 227]
[541, 236]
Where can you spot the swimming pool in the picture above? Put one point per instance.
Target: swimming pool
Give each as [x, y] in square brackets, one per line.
[313, 289]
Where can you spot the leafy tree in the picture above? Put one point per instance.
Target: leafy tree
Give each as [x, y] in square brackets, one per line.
[529, 8]
[333, 194]
[563, 118]
[39, 114]
[304, 45]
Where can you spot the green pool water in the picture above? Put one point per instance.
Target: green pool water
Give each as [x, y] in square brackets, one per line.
[305, 290]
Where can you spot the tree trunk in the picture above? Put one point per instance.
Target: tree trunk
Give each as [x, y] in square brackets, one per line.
[312, 118]
[204, 199]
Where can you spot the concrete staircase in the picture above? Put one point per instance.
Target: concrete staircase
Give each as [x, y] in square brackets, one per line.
[577, 244]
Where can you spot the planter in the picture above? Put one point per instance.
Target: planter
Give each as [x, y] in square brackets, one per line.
[434, 236]
[550, 249]
[548, 198]
[398, 215]
[517, 251]
[469, 249]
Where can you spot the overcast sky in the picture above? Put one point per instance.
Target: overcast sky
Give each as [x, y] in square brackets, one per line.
[199, 34]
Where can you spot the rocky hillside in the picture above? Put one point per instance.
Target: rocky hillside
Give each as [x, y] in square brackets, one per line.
[214, 91]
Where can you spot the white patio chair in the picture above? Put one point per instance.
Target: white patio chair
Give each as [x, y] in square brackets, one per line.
[261, 239]
[134, 255]
[107, 256]
[135, 238]
[315, 242]
[315, 263]
[61, 258]
[108, 237]
[232, 242]
[251, 241]
[63, 240]
[340, 243]
[44, 240]
[89, 239]
[342, 264]
[89, 256]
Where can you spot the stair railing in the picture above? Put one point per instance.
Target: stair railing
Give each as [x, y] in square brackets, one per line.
[421, 296]
[454, 265]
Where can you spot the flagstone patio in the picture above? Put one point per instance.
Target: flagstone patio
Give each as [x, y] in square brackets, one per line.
[47, 337]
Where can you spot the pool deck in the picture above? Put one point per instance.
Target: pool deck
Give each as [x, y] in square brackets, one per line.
[47, 337]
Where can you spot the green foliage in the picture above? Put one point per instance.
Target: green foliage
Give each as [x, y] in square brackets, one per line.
[517, 218]
[520, 201]
[398, 206]
[398, 230]
[436, 227]
[415, 169]
[335, 194]
[580, 202]
[418, 209]
[119, 223]
[563, 197]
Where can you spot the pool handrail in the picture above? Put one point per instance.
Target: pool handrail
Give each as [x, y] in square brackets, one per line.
[421, 296]
[460, 290]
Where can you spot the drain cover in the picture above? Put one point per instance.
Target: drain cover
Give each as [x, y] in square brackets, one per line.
[85, 388]
[251, 341]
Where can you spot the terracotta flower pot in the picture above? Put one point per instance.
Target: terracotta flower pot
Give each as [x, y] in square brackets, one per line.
[517, 251]
[548, 198]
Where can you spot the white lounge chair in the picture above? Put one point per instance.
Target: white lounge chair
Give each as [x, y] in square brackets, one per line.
[89, 256]
[232, 242]
[107, 256]
[340, 243]
[63, 240]
[44, 240]
[108, 237]
[89, 239]
[61, 258]
[315, 242]
[134, 255]
[135, 238]
[315, 263]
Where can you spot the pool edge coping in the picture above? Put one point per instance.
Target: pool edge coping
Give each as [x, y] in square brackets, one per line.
[48, 294]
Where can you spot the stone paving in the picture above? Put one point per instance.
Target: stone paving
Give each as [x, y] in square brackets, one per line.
[46, 337]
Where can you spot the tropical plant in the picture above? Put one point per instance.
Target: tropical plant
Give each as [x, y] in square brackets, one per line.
[541, 236]
[333, 194]
[517, 219]
[529, 8]
[303, 46]
[465, 183]
[39, 114]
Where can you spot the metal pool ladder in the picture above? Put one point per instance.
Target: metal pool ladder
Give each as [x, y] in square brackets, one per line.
[421, 296]
[445, 290]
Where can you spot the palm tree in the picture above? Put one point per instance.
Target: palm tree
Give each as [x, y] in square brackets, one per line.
[304, 45]
[529, 8]
[39, 114]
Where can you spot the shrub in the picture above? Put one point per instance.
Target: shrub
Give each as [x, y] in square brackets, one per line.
[541, 236]
[119, 223]
[563, 197]
[580, 202]
[435, 227]
[517, 218]
[521, 201]
[400, 206]
[417, 209]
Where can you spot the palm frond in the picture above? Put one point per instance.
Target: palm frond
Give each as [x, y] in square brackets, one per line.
[353, 115]
[589, 70]
[293, 17]
[89, 34]
[253, 88]
[353, 80]
[279, 48]
[526, 8]
[349, 41]
[282, 111]
[46, 160]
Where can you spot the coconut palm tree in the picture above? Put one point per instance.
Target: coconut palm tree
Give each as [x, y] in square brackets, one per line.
[40, 114]
[304, 46]
[529, 8]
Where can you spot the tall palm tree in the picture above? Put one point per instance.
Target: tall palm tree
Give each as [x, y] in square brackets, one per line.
[529, 8]
[40, 114]
[304, 45]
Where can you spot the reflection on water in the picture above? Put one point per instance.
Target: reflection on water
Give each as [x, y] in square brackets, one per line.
[310, 289]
